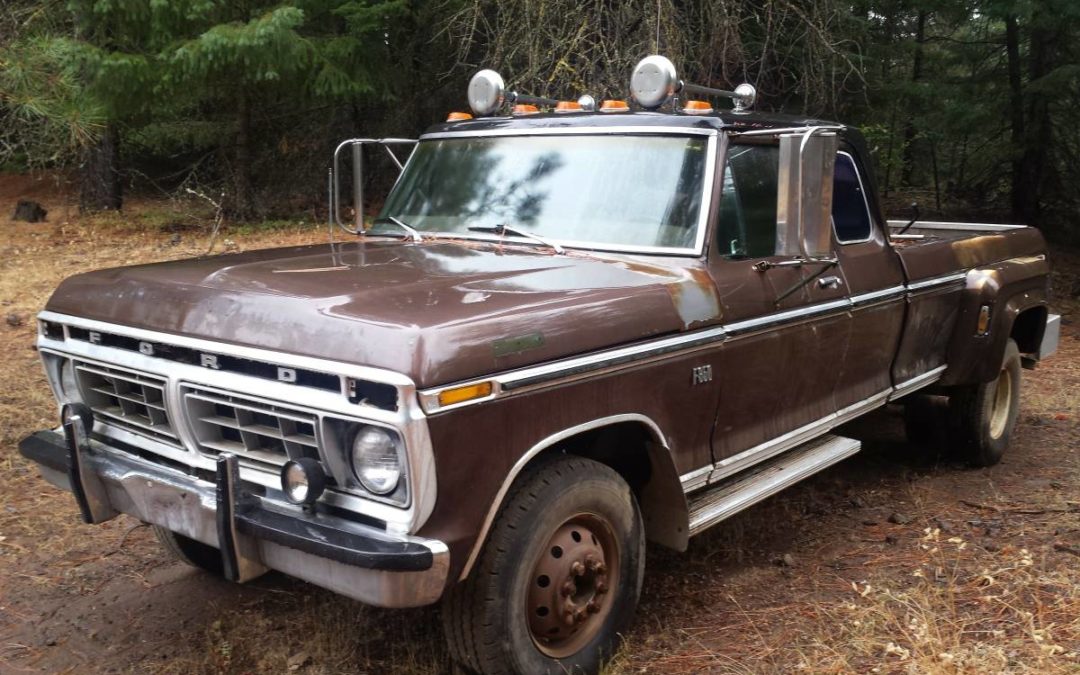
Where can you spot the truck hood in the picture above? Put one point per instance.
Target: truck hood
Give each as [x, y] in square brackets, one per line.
[438, 311]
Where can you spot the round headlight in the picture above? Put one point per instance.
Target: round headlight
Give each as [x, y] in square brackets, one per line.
[375, 460]
[302, 480]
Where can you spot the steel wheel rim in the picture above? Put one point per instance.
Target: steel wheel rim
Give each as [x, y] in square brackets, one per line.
[571, 589]
[999, 412]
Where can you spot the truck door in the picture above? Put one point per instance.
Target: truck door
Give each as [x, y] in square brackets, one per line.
[875, 285]
[778, 368]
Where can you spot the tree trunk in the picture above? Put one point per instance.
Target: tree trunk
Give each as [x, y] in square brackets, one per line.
[907, 170]
[99, 176]
[243, 202]
[1016, 105]
[1037, 136]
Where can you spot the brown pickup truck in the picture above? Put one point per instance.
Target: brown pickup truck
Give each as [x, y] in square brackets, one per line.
[567, 332]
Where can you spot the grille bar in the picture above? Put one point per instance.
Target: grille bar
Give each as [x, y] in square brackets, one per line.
[128, 400]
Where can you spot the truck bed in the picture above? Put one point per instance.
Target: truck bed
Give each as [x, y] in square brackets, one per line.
[932, 249]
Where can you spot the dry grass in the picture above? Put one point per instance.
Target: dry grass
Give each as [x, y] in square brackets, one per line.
[981, 580]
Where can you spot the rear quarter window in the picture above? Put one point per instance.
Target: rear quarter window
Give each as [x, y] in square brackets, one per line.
[850, 211]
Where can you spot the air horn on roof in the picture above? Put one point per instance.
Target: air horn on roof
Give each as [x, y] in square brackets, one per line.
[654, 83]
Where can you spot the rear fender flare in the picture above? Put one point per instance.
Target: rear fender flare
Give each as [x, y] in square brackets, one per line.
[1008, 289]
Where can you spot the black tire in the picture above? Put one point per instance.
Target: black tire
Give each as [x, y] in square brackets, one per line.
[190, 551]
[487, 619]
[984, 415]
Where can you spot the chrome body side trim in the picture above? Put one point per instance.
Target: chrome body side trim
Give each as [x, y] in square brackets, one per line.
[970, 227]
[577, 366]
[917, 382]
[878, 296]
[759, 453]
[546, 443]
[936, 281]
[409, 420]
[788, 316]
[695, 479]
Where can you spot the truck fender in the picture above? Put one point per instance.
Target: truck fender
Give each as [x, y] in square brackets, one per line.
[1010, 289]
[660, 497]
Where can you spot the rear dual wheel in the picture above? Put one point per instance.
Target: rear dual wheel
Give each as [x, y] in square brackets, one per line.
[984, 415]
[980, 418]
[558, 579]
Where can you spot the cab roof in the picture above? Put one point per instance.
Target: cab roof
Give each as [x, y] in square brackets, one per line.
[721, 120]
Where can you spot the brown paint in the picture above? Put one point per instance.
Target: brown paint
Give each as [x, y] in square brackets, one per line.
[434, 310]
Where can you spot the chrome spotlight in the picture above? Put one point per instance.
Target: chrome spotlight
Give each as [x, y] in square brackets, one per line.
[487, 91]
[654, 81]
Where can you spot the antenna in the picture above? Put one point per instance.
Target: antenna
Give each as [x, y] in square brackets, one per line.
[656, 47]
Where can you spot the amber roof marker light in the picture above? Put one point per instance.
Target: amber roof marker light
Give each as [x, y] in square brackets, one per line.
[654, 82]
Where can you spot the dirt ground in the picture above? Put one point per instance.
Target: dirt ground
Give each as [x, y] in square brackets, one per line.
[898, 560]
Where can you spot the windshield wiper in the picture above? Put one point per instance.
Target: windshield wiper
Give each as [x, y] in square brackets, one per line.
[413, 234]
[503, 230]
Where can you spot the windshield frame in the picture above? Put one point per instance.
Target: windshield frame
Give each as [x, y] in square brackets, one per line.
[708, 178]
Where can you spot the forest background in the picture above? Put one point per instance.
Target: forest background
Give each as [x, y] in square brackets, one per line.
[970, 106]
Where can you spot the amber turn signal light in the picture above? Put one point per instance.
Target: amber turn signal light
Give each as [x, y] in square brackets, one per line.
[469, 392]
[612, 105]
[567, 107]
[525, 109]
[458, 117]
[697, 108]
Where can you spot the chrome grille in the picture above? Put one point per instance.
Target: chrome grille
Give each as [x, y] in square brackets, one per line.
[263, 433]
[127, 399]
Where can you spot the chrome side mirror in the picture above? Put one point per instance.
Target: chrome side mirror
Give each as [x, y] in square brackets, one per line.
[805, 193]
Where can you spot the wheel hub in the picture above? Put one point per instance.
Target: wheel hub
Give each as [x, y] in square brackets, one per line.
[570, 589]
[1002, 403]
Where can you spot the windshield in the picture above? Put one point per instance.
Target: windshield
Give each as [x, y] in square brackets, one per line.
[609, 191]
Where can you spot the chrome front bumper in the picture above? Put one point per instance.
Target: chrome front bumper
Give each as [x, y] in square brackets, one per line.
[348, 557]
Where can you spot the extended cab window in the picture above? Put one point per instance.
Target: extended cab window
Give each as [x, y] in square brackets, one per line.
[850, 212]
[747, 224]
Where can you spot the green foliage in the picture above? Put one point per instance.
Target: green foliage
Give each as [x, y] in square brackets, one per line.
[251, 94]
[45, 112]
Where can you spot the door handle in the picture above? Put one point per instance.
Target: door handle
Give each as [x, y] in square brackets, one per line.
[829, 282]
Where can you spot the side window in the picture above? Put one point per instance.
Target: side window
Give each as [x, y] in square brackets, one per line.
[850, 212]
[747, 222]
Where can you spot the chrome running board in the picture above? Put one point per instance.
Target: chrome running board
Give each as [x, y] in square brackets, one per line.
[745, 489]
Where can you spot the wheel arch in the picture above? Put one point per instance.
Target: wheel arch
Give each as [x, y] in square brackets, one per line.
[1015, 293]
[635, 447]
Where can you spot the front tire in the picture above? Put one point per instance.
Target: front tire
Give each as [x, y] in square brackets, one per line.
[984, 415]
[190, 551]
[558, 579]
